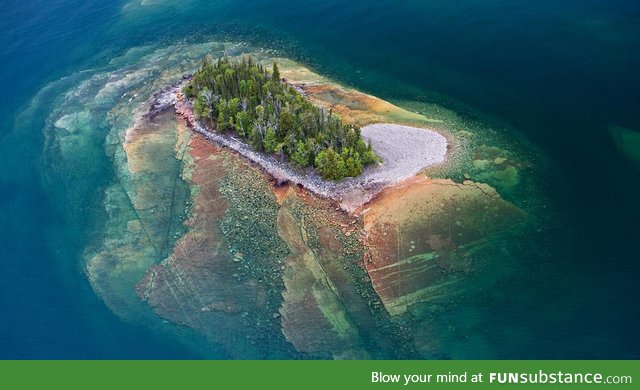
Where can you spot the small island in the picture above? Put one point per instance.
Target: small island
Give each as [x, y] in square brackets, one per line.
[332, 147]
[210, 236]
[242, 97]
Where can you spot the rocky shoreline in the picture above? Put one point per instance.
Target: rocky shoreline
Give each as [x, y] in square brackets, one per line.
[408, 151]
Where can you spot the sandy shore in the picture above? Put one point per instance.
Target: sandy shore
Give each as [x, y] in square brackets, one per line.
[405, 151]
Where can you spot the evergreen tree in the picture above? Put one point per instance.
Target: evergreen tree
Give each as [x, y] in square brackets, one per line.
[287, 123]
[369, 157]
[330, 164]
[223, 117]
[301, 155]
[270, 141]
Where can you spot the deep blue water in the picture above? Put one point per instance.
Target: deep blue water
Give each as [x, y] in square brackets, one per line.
[557, 73]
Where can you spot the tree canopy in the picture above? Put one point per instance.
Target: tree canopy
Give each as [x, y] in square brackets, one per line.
[273, 117]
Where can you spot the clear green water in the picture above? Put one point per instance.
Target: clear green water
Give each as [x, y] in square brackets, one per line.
[546, 80]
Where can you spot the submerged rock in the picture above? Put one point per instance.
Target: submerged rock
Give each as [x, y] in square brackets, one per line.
[194, 286]
[421, 237]
[259, 267]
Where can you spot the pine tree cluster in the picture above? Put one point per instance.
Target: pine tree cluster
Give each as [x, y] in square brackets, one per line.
[272, 116]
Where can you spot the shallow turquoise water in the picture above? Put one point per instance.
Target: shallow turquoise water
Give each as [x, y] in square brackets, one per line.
[554, 76]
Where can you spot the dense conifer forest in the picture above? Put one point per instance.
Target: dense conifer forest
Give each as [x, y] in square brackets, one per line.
[272, 116]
